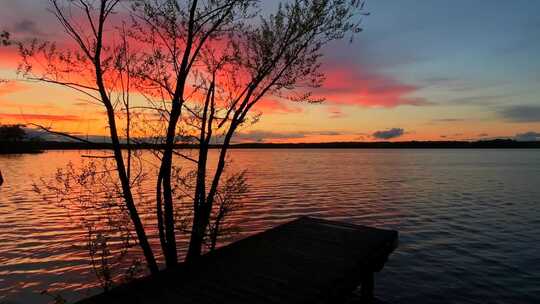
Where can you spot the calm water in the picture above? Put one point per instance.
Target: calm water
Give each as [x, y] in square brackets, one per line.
[469, 220]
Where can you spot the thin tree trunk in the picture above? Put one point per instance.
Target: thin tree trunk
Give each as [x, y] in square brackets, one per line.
[128, 196]
[171, 256]
[121, 168]
[159, 215]
[198, 228]
[202, 217]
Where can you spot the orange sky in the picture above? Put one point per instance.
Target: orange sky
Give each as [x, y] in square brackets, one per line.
[378, 85]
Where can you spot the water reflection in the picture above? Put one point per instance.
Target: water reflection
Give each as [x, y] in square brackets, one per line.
[468, 219]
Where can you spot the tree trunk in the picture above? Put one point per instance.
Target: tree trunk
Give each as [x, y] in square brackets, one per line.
[159, 215]
[171, 258]
[128, 196]
[202, 214]
[171, 255]
[196, 239]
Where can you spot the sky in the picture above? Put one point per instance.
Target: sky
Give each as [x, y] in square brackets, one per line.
[420, 70]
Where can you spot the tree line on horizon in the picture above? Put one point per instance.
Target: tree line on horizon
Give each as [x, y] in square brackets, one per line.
[12, 133]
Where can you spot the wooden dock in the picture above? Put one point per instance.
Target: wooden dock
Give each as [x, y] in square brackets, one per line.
[307, 260]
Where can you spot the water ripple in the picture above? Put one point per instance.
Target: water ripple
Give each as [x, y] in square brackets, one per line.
[469, 220]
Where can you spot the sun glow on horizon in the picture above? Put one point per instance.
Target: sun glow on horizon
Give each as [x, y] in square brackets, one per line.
[374, 84]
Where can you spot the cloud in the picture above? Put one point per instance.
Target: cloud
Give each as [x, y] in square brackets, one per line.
[26, 26]
[455, 136]
[261, 136]
[528, 136]
[478, 100]
[27, 105]
[448, 120]
[451, 84]
[355, 85]
[521, 113]
[335, 112]
[83, 104]
[327, 133]
[40, 117]
[272, 106]
[269, 136]
[389, 134]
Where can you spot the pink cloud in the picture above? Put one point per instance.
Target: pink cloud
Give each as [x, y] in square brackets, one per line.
[354, 86]
[335, 112]
[272, 106]
[21, 105]
[40, 117]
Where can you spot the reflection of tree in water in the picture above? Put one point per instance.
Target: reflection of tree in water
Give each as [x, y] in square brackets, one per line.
[91, 194]
[92, 197]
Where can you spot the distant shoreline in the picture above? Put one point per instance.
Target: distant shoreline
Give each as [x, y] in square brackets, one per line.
[37, 147]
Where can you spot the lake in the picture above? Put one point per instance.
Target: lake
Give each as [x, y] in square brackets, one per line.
[469, 220]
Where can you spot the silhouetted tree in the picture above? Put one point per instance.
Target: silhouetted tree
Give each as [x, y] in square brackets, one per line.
[4, 38]
[98, 68]
[92, 193]
[175, 33]
[4, 41]
[280, 56]
[12, 133]
[201, 66]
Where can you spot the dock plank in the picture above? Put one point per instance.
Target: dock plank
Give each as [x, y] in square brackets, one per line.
[307, 260]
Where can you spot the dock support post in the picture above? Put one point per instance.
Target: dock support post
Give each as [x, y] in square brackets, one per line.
[368, 284]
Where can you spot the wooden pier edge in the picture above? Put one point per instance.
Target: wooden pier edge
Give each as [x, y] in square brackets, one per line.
[307, 260]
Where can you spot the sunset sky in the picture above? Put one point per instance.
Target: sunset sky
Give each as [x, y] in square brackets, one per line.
[424, 70]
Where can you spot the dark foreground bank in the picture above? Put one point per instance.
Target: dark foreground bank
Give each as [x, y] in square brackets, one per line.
[307, 260]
